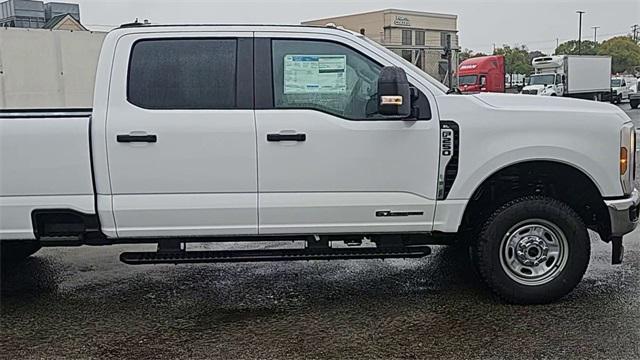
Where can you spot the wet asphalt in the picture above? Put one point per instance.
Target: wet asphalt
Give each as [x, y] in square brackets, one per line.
[83, 303]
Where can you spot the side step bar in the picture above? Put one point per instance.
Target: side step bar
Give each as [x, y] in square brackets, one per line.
[191, 257]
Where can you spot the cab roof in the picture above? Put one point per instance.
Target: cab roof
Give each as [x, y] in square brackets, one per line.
[330, 27]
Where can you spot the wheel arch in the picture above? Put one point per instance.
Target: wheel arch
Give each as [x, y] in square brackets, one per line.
[557, 179]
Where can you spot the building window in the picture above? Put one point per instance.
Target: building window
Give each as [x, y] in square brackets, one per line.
[419, 37]
[183, 74]
[387, 35]
[406, 54]
[443, 39]
[419, 61]
[406, 37]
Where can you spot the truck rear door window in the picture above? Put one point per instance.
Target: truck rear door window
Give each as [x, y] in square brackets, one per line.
[183, 74]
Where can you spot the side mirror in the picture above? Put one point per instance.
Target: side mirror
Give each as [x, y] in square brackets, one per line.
[394, 93]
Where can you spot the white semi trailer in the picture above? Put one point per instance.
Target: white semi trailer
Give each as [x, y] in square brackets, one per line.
[48, 68]
[583, 76]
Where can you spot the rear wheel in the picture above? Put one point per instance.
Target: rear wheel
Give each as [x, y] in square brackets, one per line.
[532, 250]
[634, 104]
[18, 250]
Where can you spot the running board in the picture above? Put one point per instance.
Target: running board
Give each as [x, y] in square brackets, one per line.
[192, 257]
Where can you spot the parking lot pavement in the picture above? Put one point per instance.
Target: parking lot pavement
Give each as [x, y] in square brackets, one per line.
[634, 114]
[84, 303]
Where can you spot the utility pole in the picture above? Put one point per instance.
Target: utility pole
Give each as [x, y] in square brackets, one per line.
[595, 33]
[449, 61]
[635, 29]
[580, 12]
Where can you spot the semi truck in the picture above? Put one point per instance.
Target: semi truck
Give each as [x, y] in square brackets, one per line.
[317, 135]
[482, 74]
[578, 76]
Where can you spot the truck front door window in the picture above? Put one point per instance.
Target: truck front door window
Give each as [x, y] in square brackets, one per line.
[324, 76]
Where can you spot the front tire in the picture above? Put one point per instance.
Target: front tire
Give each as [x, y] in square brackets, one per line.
[533, 250]
[12, 252]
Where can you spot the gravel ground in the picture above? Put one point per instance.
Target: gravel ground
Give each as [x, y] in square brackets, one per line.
[84, 303]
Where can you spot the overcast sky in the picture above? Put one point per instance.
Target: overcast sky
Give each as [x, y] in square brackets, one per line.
[481, 23]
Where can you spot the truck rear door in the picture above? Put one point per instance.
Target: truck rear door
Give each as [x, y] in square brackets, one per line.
[181, 137]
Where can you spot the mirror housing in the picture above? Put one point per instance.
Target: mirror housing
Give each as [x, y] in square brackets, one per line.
[394, 93]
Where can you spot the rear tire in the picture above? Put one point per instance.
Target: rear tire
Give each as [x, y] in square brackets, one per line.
[532, 250]
[634, 104]
[15, 251]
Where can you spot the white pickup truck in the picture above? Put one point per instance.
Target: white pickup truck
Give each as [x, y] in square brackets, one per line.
[259, 133]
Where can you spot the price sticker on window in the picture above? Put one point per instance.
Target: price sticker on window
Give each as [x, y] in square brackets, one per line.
[324, 74]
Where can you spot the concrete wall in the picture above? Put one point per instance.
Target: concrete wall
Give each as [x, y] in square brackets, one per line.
[420, 20]
[47, 69]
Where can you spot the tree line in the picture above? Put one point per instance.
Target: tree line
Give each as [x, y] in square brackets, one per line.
[624, 52]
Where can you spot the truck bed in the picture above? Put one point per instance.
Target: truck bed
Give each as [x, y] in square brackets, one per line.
[48, 152]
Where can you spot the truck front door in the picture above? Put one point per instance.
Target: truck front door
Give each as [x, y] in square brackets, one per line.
[327, 161]
[180, 135]
[559, 85]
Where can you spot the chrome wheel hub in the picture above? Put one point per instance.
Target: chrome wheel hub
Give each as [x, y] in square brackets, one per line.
[534, 252]
[531, 251]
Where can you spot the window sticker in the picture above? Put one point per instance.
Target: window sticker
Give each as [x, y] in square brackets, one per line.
[307, 74]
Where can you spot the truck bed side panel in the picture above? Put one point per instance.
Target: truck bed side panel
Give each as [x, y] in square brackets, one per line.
[44, 163]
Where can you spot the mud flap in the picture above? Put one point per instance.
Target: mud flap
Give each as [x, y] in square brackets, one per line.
[617, 250]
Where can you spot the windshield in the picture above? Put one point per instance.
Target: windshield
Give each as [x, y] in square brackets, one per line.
[541, 79]
[468, 79]
[426, 76]
[615, 82]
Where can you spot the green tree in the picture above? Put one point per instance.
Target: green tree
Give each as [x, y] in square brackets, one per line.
[516, 59]
[465, 54]
[535, 54]
[624, 52]
[570, 47]
[468, 53]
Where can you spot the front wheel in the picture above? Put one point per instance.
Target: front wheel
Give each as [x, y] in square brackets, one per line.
[532, 250]
[18, 250]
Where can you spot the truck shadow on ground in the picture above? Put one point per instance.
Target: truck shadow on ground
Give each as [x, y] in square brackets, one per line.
[446, 268]
[447, 272]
